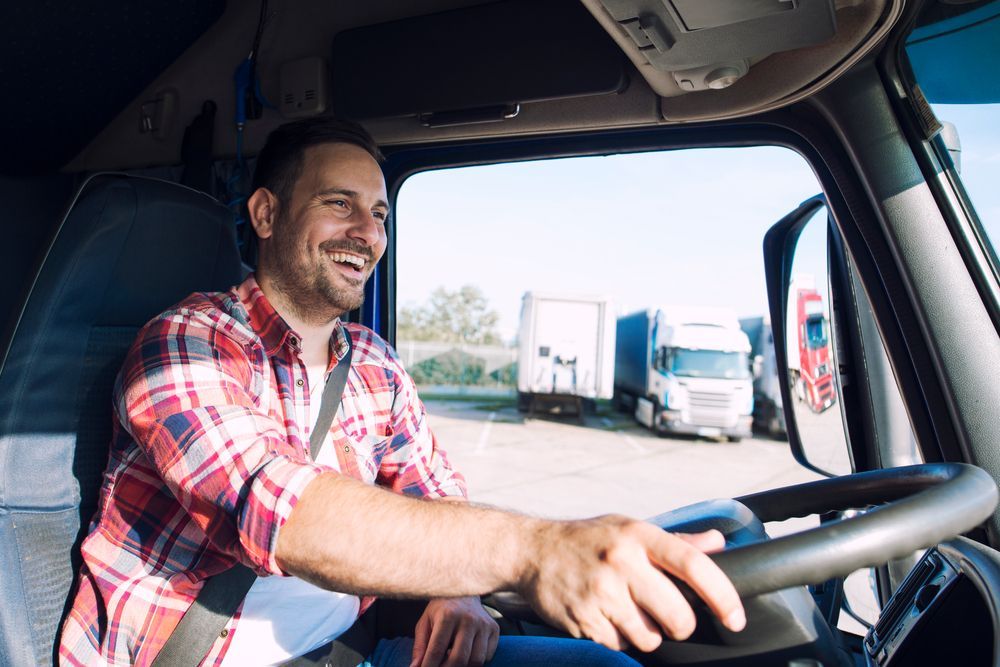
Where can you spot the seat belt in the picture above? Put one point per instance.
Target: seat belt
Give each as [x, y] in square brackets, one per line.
[221, 595]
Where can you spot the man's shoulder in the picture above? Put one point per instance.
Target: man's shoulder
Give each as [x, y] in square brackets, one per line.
[220, 311]
[367, 346]
[370, 348]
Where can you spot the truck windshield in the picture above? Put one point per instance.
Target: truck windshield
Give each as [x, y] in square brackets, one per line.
[710, 364]
[816, 332]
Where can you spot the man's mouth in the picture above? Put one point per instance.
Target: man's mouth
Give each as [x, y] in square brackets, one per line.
[350, 263]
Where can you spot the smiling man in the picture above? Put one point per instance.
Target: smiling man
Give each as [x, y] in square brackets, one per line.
[211, 467]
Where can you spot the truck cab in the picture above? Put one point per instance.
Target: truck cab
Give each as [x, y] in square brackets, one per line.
[122, 112]
[687, 371]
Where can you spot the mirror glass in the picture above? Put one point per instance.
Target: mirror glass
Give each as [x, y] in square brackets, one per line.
[813, 379]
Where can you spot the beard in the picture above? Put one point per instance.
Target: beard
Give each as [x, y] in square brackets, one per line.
[309, 286]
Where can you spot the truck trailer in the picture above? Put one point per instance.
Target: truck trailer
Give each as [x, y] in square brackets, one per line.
[566, 347]
[685, 370]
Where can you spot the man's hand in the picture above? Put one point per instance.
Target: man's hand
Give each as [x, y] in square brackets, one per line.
[603, 579]
[454, 632]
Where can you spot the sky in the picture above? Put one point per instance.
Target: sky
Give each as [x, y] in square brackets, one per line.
[681, 227]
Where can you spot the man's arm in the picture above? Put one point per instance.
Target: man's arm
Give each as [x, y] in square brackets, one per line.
[600, 578]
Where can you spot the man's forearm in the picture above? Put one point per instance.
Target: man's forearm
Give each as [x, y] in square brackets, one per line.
[602, 578]
[352, 537]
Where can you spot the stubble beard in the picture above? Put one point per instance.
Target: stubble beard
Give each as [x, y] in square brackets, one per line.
[306, 285]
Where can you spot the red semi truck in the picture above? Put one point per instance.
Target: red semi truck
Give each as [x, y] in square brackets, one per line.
[810, 362]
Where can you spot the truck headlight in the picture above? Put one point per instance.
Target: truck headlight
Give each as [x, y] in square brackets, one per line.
[675, 397]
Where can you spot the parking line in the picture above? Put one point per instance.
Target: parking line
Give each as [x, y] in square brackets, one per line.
[484, 435]
[631, 442]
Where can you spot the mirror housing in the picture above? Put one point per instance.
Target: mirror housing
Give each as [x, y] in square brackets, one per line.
[780, 243]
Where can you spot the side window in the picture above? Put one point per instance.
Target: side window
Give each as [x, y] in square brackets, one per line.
[949, 52]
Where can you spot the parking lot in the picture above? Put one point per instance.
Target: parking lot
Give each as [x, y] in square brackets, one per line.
[553, 466]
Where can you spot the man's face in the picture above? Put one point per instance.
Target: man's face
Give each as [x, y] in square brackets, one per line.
[328, 237]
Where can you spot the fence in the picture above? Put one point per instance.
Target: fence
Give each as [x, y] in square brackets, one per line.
[456, 364]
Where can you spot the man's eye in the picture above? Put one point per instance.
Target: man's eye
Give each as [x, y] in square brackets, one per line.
[337, 202]
[380, 215]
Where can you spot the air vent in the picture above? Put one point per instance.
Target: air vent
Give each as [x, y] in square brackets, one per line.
[902, 600]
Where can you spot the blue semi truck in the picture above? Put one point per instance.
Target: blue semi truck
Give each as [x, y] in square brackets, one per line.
[685, 370]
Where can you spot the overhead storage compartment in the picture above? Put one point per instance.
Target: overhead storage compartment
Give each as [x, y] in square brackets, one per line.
[474, 64]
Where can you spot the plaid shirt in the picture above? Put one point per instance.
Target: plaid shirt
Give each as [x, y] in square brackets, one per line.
[209, 455]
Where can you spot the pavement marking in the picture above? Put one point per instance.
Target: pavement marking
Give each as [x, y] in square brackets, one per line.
[484, 435]
[631, 442]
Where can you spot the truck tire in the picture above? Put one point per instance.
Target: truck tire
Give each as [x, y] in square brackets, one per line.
[523, 401]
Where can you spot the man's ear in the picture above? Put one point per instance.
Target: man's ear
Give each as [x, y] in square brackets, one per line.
[263, 208]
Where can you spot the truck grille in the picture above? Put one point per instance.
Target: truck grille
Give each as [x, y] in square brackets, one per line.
[711, 408]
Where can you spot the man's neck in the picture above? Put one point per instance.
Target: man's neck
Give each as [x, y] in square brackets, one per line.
[315, 335]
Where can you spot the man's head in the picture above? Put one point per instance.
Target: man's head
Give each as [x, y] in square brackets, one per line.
[318, 208]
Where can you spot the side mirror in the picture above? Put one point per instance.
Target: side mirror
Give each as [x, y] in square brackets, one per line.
[796, 266]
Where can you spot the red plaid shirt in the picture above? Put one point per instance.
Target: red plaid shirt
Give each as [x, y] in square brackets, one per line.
[209, 457]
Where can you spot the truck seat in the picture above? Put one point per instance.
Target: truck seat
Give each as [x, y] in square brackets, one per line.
[128, 248]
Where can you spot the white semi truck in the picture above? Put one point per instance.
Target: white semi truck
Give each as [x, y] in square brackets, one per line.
[685, 370]
[566, 351]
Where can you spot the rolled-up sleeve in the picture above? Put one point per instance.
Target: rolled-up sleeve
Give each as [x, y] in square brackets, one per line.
[190, 396]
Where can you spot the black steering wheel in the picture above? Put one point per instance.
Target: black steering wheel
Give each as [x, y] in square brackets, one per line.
[917, 507]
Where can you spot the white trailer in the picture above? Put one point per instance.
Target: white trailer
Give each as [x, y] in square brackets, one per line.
[566, 351]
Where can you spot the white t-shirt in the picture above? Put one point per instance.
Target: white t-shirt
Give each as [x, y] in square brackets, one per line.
[285, 617]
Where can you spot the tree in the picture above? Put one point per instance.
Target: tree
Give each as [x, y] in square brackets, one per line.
[460, 316]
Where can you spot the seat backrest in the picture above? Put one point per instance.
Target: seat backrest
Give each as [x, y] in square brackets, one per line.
[127, 249]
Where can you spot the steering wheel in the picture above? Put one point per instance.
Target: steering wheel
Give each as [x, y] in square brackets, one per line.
[918, 507]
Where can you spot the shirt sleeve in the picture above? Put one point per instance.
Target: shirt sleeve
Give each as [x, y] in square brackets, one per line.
[190, 396]
[414, 464]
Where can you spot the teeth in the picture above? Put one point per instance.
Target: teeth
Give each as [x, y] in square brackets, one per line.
[346, 258]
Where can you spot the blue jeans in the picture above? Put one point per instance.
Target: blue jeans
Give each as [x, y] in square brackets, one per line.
[514, 651]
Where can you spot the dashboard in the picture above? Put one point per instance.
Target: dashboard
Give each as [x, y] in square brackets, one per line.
[943, 613]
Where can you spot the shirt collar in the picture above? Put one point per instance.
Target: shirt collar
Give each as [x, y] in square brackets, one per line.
[272, 329]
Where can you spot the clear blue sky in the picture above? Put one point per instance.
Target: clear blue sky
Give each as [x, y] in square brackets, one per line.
[681, 227]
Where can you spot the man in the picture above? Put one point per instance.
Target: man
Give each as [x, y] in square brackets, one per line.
[210, 466]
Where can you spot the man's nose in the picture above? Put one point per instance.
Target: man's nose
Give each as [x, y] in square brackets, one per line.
[365, 227]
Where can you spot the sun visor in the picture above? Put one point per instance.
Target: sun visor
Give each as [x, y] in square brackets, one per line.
[474, 64]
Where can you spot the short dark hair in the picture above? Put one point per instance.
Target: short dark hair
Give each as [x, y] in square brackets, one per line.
[279, 163]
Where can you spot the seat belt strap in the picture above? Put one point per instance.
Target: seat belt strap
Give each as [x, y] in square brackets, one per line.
[221, 595]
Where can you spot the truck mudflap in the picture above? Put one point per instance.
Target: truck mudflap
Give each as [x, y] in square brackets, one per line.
[672, 421]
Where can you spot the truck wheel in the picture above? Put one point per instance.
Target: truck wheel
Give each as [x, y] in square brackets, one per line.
[523, 401]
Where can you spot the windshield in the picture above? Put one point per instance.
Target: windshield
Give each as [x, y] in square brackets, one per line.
[710, 364]
[816, 332]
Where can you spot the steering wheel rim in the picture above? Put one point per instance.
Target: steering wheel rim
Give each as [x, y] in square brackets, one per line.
[920, 506]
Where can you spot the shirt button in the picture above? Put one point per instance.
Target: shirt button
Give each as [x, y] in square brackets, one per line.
[299, 382]
[224, 633]
[347, 448]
